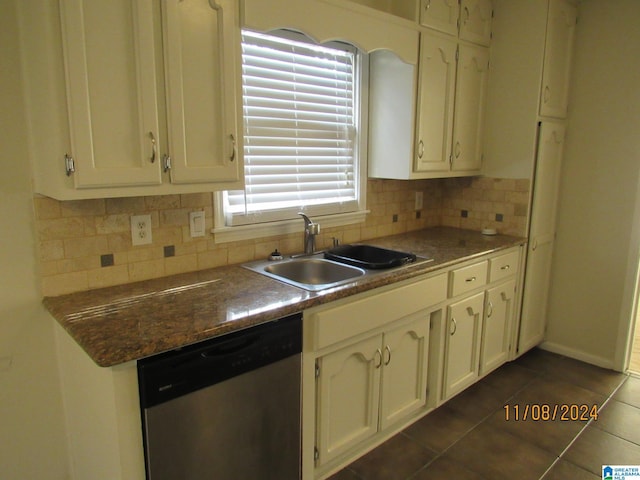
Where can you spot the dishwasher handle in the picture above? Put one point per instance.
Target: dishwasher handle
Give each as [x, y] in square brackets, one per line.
[230, 347]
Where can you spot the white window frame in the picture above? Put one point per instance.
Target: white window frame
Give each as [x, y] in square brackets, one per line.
[224, 233]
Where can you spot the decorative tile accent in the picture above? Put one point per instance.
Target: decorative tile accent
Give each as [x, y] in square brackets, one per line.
[106, 260]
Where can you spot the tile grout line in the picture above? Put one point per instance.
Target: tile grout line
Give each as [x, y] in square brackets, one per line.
[559, 457]
[440, 454]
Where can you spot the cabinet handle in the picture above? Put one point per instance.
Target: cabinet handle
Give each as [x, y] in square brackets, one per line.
[489, 309]
[420, 149]
[466, 15]
[153, 147]
[379, 355]
[471, 279]
[455, 327]
[458, 150]
[534, 245]
[505, 267]
[233, 148]
[388, 350]
[547, 94]
[427, 5]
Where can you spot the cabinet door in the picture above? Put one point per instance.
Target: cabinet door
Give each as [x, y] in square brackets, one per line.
[440, 15]
[498, 316]
[437, 77]
[462, 344]
[348, 397]
[561, 26]
[473, 68]
[404, 372]
[541, 235]
[201, 42]
[111, 91]
[475, 21]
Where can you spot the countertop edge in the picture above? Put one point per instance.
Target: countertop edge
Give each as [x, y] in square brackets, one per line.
[110, 326]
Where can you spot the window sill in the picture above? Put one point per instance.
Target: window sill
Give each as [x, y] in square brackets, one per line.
[270, 229]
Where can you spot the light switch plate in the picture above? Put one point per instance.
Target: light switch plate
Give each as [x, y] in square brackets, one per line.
[196, 223]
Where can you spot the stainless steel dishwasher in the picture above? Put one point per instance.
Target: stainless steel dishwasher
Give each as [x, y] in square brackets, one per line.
[227, 408]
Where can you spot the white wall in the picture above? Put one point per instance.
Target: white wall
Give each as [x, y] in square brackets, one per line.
[32, 438]
[592, 275]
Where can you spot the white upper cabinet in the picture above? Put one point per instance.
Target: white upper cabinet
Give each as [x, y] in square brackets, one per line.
[100, 123]
[435, 127]
[473, 70]
[468, 19]
[441, 15]
[109, 58]
[561, 26]
[475, 21]
[201, 89]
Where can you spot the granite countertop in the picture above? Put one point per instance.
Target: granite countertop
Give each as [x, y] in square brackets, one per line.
[119, 324]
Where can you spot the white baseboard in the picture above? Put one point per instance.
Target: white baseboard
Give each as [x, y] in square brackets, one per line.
[577, 355]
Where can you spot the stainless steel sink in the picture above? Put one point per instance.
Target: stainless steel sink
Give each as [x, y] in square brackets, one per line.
[315, 272]
[311, 273]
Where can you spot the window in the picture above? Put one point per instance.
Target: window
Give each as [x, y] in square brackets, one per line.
[302, 142]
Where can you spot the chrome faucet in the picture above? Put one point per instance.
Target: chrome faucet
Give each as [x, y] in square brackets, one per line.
[311, 229]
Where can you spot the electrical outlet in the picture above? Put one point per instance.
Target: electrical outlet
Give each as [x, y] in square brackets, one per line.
[141, 229]
[419, 200]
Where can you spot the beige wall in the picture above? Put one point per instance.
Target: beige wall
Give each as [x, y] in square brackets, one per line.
[32, 438]
[590, 297]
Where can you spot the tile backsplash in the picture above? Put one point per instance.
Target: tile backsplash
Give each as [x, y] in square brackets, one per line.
[86, 244]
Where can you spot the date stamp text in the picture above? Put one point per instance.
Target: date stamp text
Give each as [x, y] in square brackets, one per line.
[545, 412]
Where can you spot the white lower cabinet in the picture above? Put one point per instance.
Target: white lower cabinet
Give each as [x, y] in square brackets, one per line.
[496, 326]
[366, 386]
[376, 362]
[464, 319]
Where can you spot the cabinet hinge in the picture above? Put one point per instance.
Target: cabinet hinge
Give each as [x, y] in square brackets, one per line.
[166, 163]
[69, 164]
[317, 369]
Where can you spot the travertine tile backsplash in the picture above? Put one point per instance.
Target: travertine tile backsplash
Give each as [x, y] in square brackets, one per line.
[86, 244]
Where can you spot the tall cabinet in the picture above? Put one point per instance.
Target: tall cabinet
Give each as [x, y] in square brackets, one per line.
[525, 129]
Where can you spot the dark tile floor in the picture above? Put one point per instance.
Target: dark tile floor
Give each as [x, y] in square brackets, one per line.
[470, 437]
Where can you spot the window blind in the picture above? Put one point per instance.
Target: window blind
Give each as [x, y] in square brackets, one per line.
[299, 130]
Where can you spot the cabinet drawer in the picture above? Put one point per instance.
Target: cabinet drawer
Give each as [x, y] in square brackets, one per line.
[337, 323]
[503, 266]
[468, 278]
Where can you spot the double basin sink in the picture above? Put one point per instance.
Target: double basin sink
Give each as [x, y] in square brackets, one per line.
[338, 266]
